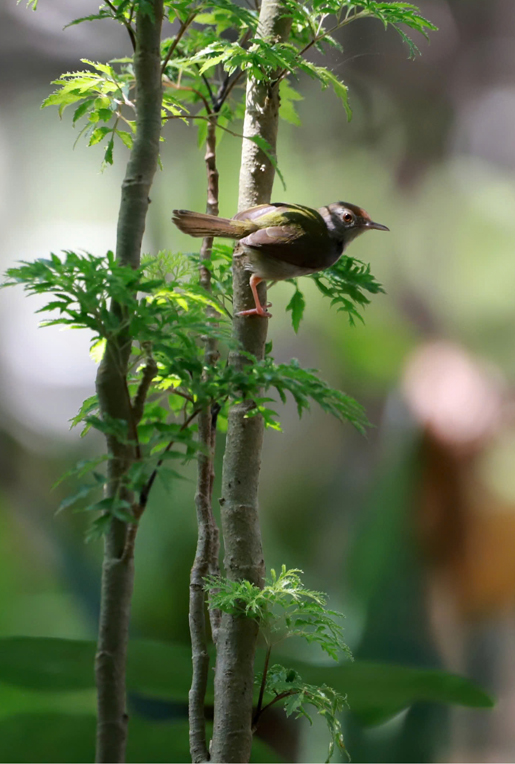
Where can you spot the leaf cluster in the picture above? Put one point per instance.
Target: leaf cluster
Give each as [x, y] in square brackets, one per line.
[304, 385]
[159, 310]
[309, 20]
[204, 65]
[287, 686]
[101, 96]
[284, 608]
[346, 284]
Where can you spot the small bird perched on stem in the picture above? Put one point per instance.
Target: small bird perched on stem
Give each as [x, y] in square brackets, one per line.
[282, 241]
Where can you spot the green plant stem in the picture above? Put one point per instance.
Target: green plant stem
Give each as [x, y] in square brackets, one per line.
[263, 685]
[208, 545]
[243, 558]
[277, 698]
[118, 566]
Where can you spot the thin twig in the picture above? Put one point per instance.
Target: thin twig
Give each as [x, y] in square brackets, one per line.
[208, 86]
[180, 393]
[281, 696]
[143, 500]
[180, 33]
[127, 24]
[226, 90]
[149, 372]
[263, 685]
[169, 84]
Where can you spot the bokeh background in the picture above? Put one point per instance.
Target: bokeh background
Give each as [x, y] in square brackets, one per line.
[411, 530]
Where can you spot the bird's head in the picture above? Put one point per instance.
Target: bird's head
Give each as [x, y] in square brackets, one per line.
[346, 221]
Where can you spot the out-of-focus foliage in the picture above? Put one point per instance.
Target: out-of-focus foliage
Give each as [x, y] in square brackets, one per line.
[59, 672]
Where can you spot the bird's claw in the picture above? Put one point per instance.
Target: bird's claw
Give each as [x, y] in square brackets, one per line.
[255, 312]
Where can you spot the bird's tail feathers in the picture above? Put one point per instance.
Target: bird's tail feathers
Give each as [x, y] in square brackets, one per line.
[201, 225]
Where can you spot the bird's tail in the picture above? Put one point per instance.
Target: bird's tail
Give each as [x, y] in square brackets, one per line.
[198, 224]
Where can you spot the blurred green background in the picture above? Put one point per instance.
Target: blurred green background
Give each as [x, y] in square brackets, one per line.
[410, 530]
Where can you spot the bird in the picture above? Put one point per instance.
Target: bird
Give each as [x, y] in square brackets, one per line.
[283, 241]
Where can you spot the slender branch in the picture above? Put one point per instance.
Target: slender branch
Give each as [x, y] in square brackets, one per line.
[131, 16]
[145, 491]
[186, 396]
[204, 78]
[127, 24]
[243, 558]
[149, 372]
[118, 568]
[184, 26]
[139, 508]
[169, 84]
[133, 424]
[206, 556]
[208, 86]
[280, 696]
[226, 90]
[263, 685]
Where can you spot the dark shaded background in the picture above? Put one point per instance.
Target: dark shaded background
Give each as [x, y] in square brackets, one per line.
[411, 530]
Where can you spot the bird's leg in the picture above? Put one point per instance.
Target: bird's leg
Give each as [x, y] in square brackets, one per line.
[259, 310]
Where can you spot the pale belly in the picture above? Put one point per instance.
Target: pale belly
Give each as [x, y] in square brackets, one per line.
[270, 269]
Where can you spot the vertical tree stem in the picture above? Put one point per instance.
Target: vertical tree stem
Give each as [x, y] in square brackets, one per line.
[206, 557]
[118, 566]
[236, 644]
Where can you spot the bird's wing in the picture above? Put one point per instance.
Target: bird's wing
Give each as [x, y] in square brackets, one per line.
[285, 237]
[291, 244]
[254, 213]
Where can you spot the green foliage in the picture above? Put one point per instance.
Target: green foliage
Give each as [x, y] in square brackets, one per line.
[284, 608]
[345, 284]
[304, 385]
[376, 691]
[102, 96]
[51, 679]
[161, 313]
[204, 66]
[164, 318]
[287, 110]
[286, 685]
[70, 737]
[308, 21]
[296, 306]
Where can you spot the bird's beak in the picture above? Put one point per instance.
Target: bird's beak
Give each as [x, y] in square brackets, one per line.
[376, 226]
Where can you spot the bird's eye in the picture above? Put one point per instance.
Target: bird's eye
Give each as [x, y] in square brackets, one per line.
[348, 217]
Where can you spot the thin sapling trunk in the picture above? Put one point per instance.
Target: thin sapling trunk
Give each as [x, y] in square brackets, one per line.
[206, 557]
[114, 399]
[243, 558]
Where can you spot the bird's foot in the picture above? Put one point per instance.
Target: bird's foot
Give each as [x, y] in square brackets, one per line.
[256, 312]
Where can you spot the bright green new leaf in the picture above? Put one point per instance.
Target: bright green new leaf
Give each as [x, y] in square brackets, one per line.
[296, 306]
